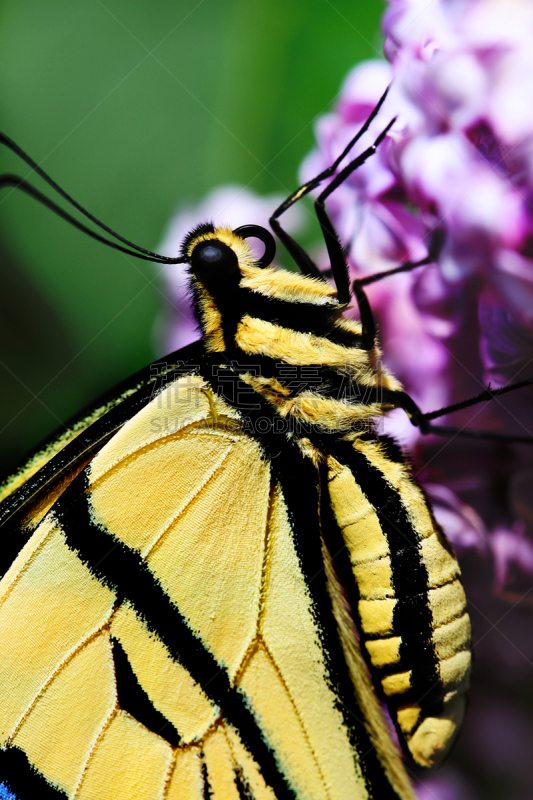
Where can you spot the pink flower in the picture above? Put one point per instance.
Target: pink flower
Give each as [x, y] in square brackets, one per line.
[510, 547]
[464, 527]
[458, 158]
[448, 787]
[450, 162]
[462, 76]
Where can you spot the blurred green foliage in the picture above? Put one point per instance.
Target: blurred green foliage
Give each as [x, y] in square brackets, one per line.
[136, 107]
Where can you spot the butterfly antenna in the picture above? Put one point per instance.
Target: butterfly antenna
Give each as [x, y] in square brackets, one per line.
[16, 182]
[20, 183]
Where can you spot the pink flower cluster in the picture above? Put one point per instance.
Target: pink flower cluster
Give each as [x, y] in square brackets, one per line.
[459, 159]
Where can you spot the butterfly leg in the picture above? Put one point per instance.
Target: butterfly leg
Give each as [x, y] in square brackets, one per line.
[334, 247]
[483, 397]
[336, 254]
[404, 401]
[423, 421]
[365, 311]
[488, 436]
[302, 259]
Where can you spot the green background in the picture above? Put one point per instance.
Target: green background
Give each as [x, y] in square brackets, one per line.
[136, 107]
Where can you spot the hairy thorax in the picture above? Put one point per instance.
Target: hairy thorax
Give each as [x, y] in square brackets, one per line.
[286, 336]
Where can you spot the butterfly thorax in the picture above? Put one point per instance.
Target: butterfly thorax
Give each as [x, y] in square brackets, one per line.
[285, 336]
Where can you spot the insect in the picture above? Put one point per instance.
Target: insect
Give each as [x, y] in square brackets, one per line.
[203, 572]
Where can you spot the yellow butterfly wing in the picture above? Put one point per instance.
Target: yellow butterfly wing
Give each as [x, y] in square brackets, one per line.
[172, 629]
[30, 491]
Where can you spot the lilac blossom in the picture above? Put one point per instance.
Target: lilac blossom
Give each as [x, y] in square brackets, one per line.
[459, 159]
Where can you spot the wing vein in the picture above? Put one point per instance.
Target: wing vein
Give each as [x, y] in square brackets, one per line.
[197, 489]
[34, 553]
[279, 673]
[169, 775]
[60, 666]
[99, 736]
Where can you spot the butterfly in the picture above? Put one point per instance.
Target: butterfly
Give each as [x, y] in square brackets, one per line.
[215, 576]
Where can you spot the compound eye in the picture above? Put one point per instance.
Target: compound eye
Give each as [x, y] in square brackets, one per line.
[214, 260]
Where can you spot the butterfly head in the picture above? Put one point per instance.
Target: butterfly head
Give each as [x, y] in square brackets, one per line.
[220, 257]
[230, 284]
[269, 320]
[222, 262]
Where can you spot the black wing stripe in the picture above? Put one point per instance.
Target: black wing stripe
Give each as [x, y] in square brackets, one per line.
[296, 475]
[22, 780]
[133, 699]
[124, 571]
[412, 619]
[242, 787]
[11, 547]
[207, 794]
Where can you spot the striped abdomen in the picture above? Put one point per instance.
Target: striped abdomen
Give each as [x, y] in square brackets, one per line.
[410, 602]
